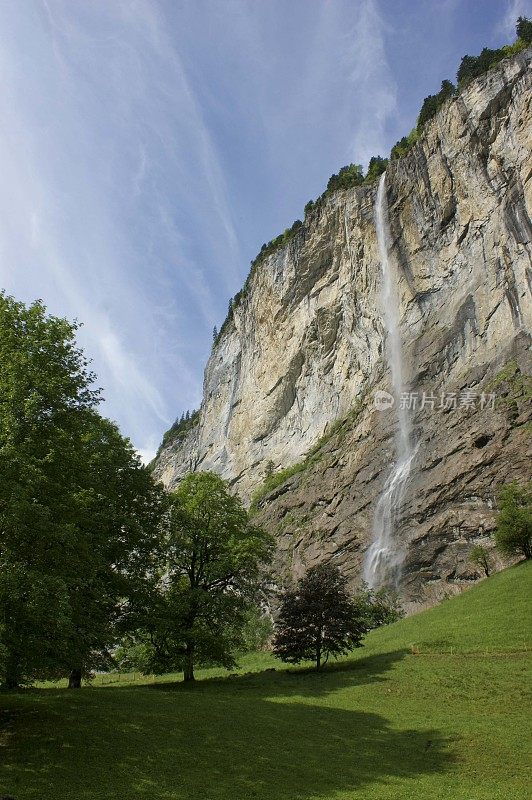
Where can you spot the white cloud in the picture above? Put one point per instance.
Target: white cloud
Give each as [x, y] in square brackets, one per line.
[105, 161]
[374, 88]
[513, 10]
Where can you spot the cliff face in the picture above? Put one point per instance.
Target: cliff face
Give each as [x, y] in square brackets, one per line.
[305, 349]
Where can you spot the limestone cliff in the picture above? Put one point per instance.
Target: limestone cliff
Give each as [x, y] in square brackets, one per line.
[303, 354]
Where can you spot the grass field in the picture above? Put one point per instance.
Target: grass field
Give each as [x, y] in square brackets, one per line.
[435, 706]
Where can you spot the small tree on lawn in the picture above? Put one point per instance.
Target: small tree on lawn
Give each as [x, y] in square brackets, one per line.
[480, 557]
[513, 535]
[318, 619]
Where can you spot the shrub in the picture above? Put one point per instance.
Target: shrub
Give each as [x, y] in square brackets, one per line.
[513, 535]
[347, 177]
[433, 102]
[524, 29]
[404, 145]
[377, 165]
[480, 557]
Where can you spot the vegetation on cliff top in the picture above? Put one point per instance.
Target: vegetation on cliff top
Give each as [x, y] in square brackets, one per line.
[180, 428]
[352, 175]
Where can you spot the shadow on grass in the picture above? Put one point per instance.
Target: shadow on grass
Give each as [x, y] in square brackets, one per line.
[256, 736]
[300, 681]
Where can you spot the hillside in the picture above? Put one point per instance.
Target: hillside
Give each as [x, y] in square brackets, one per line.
[291, 381]
[434, 706]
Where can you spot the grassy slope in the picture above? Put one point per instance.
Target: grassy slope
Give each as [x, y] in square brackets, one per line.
[403, 717]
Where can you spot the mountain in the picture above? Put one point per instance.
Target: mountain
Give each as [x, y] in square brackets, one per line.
[422, 291]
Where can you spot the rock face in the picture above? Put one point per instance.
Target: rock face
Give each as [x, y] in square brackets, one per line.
[305, 350]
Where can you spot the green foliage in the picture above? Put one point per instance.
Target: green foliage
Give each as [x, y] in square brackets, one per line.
[404, 145]
[257, 630]
[180, 428]
[212, 572]
[377, 165]
[422, 726]
[513, 535]
[433, 102]
[376, 607]
[134, 653]
[512, 387]
[318, 619]
[274, 479]
[78, 511]
[524, 29]
[472, 67]
[347, 177]
[480, 557]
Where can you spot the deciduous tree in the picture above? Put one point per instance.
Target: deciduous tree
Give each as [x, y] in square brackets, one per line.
[513, 535]
[78, 512]
[212, 574]
[318, 619]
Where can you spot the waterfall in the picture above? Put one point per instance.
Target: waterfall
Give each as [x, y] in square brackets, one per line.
[384, 557]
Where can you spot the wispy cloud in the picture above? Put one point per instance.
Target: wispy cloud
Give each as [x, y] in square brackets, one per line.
[512, 10]
[148, 148]
[107, 166]
[374, 88]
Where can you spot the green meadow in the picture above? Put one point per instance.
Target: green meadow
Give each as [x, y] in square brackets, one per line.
[434, 706]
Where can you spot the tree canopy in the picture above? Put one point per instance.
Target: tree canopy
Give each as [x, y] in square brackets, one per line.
[513, 535]
[78, 511]
[317, 619]
[212, 574]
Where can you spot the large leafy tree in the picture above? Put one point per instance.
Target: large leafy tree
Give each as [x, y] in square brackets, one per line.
[78, 512]
[117, 510]
[319, 618]
[213, 573]
[513, 535]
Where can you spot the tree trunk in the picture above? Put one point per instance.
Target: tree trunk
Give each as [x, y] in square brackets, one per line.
[12, 675]
[74, 679]
[188, 668]
[319, 642]
[10, 683]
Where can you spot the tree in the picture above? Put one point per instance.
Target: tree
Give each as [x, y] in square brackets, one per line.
[433, 102]
[73, 503]
[377, 165]
[350, 175]
[212, 575]
[513, 535]
[318, 619]
[117, 517]
[524, 29]
[404, 145]
[480, 557]
[269, 469]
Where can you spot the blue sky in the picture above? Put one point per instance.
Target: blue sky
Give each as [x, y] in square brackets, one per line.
[149, 147]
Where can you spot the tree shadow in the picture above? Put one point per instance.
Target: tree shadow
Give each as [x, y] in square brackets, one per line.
[300, 681]
[276, 735]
